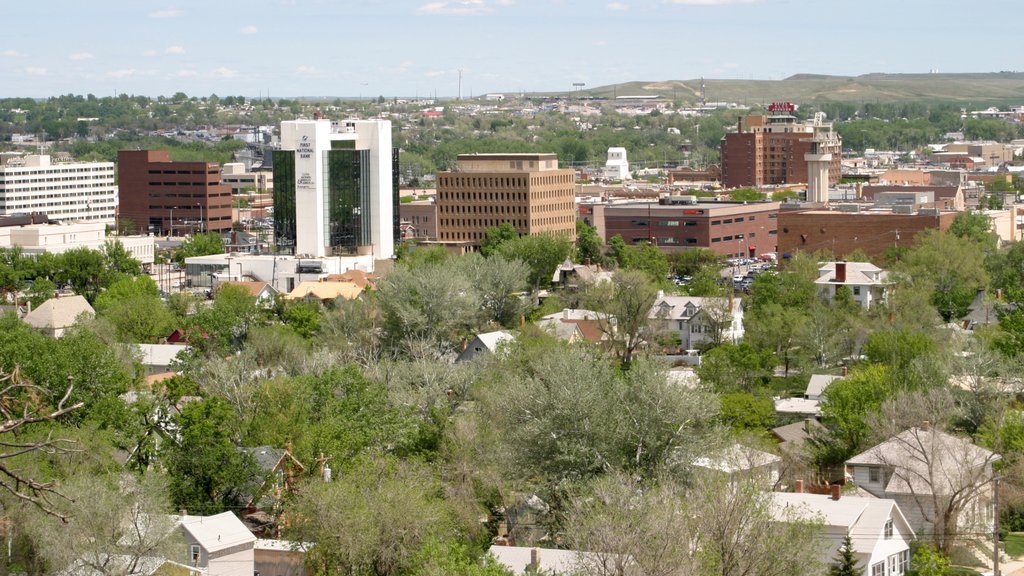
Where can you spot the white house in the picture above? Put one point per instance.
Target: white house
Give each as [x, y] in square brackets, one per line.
[742, 460]
[55, 316]
[617, 166]
[698, 321]
[867, 282]
[877, 528]
[221, 544]
[929, 472]
[524, 560]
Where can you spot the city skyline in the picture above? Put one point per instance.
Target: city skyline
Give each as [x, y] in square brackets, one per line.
[410, 48]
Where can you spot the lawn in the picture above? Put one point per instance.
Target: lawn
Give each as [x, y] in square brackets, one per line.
[1013, 544]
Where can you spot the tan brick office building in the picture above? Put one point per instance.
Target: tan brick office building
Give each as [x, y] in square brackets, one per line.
[486, 190]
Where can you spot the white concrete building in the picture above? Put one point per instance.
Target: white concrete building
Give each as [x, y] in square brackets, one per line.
[59, 238]
[284, 273]
[617, 166]
[221, 545]
[335, 191]
[63, 190]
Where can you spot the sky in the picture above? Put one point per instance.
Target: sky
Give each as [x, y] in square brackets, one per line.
[416, 48]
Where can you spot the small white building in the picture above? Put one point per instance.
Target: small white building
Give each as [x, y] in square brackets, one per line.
[484, 344]
[817, 384]
[617, 166]
[57, 238]
[879, 532]
[284, 273]
[867, 282]
[57, 315]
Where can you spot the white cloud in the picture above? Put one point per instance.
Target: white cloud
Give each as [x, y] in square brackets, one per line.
[149, 53]
[82, 56]
[306, 70]
[123, 73]
[708, 2]
[456, 7]
[185, 73]
[9, 53]
[175, 50]
[249, 30]
[600, 42]
[35, 71]
[223, 72]
[170, 13]
[618, 6]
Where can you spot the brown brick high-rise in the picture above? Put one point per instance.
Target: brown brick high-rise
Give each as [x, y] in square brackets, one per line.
[769, 150]
[167, 197]
[486, 190]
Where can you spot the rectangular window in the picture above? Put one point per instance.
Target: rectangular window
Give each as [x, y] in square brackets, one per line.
[874, 475]
[856, 290]
[727, 221]
[716, 222]
[716, 239]
[193, 554]
[888, 528]
[689, 223]
[668, 223]
[904, 561]
[691, 240]
[878, 569]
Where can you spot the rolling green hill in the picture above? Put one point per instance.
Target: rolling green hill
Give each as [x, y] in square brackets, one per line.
[982, 88]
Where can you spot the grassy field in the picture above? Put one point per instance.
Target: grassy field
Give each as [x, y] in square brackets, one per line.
[978, 89]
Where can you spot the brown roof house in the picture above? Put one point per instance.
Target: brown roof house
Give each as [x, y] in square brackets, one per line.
[942, 483]
[263, 293]
[55, 316]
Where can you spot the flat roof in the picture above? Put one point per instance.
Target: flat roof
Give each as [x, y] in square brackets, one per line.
[509, 156]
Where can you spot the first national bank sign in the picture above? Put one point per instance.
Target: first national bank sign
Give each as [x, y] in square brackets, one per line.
[305, 164]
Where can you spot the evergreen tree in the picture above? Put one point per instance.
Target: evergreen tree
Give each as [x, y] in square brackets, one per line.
[846, 562]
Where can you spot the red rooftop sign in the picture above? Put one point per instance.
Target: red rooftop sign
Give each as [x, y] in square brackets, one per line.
[781, 107]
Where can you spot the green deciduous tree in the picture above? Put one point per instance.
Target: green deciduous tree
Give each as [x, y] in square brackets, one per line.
[542, 253]
[199, 245]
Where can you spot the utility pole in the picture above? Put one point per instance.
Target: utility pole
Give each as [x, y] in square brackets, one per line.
[995, 526]
[460, 84]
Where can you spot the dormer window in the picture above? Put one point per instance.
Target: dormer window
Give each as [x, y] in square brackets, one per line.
[888, 528]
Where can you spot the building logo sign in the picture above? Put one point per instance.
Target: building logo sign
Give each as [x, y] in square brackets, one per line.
[782, 107]
[305, 164]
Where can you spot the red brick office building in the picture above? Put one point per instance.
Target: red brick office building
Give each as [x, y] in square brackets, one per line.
[732, 229]
[166, 197]
[768, 150]
[873, 231]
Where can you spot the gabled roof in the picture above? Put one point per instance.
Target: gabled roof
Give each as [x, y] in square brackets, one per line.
[490, 340]
[552, 560]
[325, 290]
[686, 307]
[59, 313]
[818, 383]
[218, 532]
[862, 518]
[737, 458]
[926, 461]
[857, 274]
[254, 288]
[797, 432]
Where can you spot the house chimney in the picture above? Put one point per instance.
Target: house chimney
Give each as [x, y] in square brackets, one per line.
[836, 488]
[841, 272]
[799, 488]
[586, 262]
[184, 513]
[807, 425]
[926, 425]
[535, 558]
[845, 371]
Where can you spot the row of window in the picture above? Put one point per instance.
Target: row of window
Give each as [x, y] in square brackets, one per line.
[501, 209]
[42, 187]
[76, 178]
[214, 172]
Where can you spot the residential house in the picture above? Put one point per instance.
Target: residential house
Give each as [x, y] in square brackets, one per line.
[263, 292]
[931, 474]
[817, 384]
[324, 290]
[794, 436]
[573, 325]
[484, 344]
[525, 560]
[55, 316]
[698, 322]
[574, 275]
[803, 406]
[877, 528]
[867, 282]
[221, 545]
[279, 468]
[158, 358]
